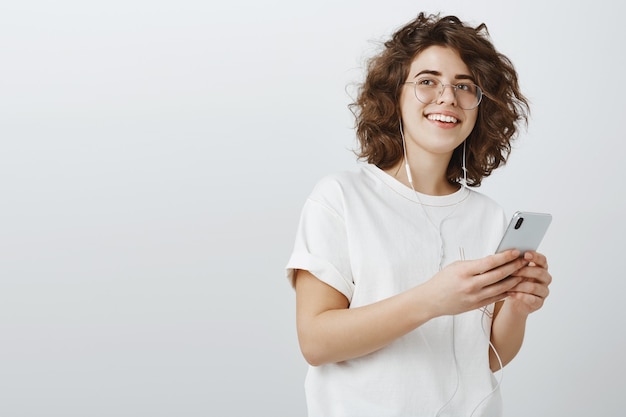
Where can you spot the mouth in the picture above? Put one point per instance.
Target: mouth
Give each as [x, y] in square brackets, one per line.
[438, 117]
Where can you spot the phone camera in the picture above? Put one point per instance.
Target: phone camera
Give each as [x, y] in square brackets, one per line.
[519, 222]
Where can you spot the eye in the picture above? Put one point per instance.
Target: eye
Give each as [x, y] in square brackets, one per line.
[470, 88]
[427, 82]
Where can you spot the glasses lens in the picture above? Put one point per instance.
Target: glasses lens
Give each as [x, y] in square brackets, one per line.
[468, 95]
[427, 90]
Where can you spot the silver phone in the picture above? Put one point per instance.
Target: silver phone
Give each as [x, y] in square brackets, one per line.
[525, 231]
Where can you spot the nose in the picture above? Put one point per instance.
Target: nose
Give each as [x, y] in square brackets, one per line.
[447, 95]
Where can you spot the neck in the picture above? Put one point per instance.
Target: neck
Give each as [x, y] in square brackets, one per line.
[428, 176]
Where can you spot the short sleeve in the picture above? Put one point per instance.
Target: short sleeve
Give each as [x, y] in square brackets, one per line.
[321, 244]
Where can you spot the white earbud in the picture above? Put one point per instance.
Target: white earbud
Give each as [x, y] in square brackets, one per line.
[408, 173]
[464, 179]
[406, 160]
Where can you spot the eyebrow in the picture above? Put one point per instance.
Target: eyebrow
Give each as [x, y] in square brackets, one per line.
[438, 74]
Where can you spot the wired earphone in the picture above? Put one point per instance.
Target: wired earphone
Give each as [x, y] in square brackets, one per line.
[484, 310]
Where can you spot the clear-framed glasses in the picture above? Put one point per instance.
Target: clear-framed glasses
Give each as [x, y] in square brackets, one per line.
[428, 90]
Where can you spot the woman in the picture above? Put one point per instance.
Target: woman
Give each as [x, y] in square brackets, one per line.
[398, 292]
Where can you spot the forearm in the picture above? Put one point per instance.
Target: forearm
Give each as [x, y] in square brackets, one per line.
[341, 334]
[507, 335]
[330, 331]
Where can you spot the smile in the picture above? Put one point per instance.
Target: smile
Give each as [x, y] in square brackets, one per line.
[442, 118]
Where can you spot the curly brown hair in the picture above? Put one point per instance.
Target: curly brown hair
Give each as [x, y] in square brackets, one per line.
[377, 108]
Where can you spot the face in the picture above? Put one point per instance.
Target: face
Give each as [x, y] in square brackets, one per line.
[436, 129]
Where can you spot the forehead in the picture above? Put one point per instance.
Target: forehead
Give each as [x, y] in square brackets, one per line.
[439, 59]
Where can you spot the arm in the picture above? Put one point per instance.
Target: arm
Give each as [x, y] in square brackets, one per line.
[330, 331]
[509, 321]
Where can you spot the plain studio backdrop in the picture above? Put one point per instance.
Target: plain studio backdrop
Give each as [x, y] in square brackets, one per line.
[154, 159]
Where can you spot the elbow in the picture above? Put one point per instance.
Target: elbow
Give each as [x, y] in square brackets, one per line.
[313, 351]
[313, 361]
[312, 355]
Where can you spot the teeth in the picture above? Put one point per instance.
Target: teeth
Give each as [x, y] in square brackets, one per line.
[442, 118]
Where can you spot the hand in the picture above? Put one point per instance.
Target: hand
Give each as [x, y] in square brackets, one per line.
[529, 295]
[466, 285]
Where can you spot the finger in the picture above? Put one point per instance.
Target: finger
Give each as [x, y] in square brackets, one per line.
[537, 258]
[499, 273]
[533, 302]
[531, 288]
[482, 265]
[534, 273]
[500, 288]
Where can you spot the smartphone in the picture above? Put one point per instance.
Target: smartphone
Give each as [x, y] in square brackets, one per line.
[525, 231]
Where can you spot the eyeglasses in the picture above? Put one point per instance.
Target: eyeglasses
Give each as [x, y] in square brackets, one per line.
[428, 90]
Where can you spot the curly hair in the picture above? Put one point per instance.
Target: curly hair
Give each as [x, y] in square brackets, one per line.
[503, 108]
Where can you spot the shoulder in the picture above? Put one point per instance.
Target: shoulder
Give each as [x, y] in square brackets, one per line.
[482, 199]
[336, 190]
[485, 205]
[340, 183]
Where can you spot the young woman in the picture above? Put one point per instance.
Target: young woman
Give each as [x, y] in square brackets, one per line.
[402, 307]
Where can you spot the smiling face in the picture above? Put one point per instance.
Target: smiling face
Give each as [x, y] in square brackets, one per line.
[436, 129]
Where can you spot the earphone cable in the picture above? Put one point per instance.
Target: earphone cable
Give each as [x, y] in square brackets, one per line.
[484, 310]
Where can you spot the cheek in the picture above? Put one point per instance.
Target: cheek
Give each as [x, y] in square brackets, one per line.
[471, 122]
[409, 106]
[405, 108]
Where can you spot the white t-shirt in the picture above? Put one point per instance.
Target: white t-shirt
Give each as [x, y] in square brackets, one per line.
[365, 234]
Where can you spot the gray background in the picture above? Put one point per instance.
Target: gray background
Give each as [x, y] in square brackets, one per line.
[154, 159]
